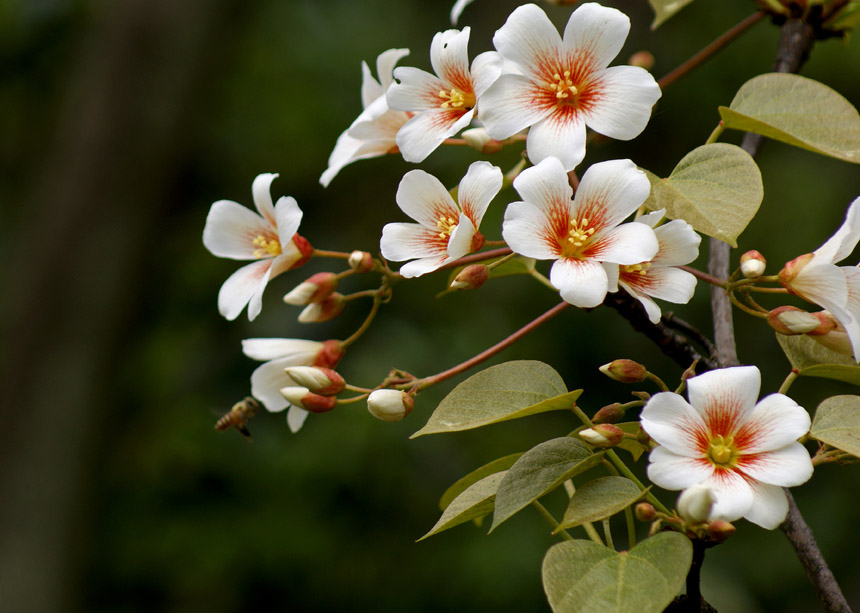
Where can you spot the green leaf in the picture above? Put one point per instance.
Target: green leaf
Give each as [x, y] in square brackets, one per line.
[798, 111]
[584, 577]
[539, 471]
[476, 475]
[499, 393]
[663, 9]
[634, 447]
[837, 423]
[813, 359]
[599, 499]
[715, 188]
[473, 502]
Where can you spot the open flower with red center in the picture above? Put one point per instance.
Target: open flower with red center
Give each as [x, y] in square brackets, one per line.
[446, 230]
[443, 103]
[560, 85]
[582, 235]
[744, 451]
[658, 277]
[269, 237]
[372, 133]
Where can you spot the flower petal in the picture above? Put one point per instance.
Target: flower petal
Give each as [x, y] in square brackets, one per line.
[734, 495]
[582, 283]
[261, 190]
[786, 467]
[674, 472]
[422, 266]
[231, 229]
[244, 286]
[480, 185]
[302, 352]
[672, 422]
[725, 397]
[527, 38]
[296, 417]
[770, 506]
[622, 105]
[385, 63]
[449, 56]
[825, 285]
[370, 87]
[596, 30]
[840, 245]
[405, 241]
[423, 197]
[528, 231]
[510, 105]
[460, 241]
[289, 217]
[545, 186]
[666, 283]
[611, 191]
[267, 380]
[627, 244]
[776, 421]
[421, 135]
[486, 68]
[679, 243]
[652, 309]
[561, 135]
[418, 90]
[344, 152]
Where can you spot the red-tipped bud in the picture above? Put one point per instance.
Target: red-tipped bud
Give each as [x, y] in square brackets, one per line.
[326, 310]
[360, 261]
[624, 371]
[331, 353]
[317, 288]
[471, 277]
[602, 435]
[319, 380]
[609, 414]
[643, 59]
[753, 264]
[477, 138]
[831, 334]
[304, 248]
[789, 320]
[390, 405]
[719, 530]
[305, 399]
[696, 503]
[690, 372]
[793, 268]
[645, 511]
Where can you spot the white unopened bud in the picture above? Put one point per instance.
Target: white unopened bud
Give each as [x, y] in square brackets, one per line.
[602, 435]
[696, 503]
[305, 399]
[325, 310]
[477, 138]
[317, 288]
[360, 261]
[319, 380]
[752, 264]
[390, 405]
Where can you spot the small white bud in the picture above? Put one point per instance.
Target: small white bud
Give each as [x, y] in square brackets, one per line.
[476, 138]
[301, 294]
[360, 261]
[602, 435]
[695, 503]
[323, 381]
[389, 405]
[303, 398]
[315, 289]
[325, 310]
[752, 264]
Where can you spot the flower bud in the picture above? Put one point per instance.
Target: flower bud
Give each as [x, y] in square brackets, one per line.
[326, 310]
[360, 261]
[317, 288]
[793, 268]
[831, 334]
[789, 320]
[319, 380]
[477, 138]
[645, 511]
[624, 371]
[695, 503]
[609, 414]
[390, 405]
[642, 437]
[303, 398]
[471, 277]
[331, 352]
[304, 248]
[753, 264]
[719, 530]
[643, 59]
[602, 435]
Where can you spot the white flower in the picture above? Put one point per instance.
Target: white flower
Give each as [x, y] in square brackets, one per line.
[279, 353]
[559, 85]
[372, 133]
[658, 277]
[696, 503]
[236, 232]
[444, 103]
[582, 235]
[445, 230]
[744, 451]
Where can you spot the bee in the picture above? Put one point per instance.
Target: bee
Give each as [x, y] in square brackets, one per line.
[239, 416]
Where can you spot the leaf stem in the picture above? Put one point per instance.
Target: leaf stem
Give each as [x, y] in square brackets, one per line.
[792, 376]
[746, 309]
[715, 135]
[377, 300]
[563, 534]
[705, 276]
[322, 253]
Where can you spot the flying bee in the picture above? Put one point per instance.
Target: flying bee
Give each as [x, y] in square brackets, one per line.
[239, 416]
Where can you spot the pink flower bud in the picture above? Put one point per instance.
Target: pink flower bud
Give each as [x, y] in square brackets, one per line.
[602, 435]
[609, 414]
[752, 264]
[643, 59]
[695, 503]
[792, 269]
[624, 371]
[325, 310]
[330, 354]
[319, 380]
[645, 511]
[390, 405]
[360, 261]
[304, 248]
[719, 530]
[303, 398]
[789, 320]
[317, 288]
[471, 277]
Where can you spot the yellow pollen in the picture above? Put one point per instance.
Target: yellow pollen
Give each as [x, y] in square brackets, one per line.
[722, 451]
[266, 248]
[446, 225]
[579, 232]
[641, 268]
[455, 99]
[563, 87]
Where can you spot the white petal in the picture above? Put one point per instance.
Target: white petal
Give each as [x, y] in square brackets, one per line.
[385, 65]
[770, 506]
[852, 328]
[776, 421]
[734, 495]
[371, 89]
[508, 106]
[460, 241]
[261, 190]
[627, 244]
[231, 229]
[725, 397]
[296, 418]
[382, 130]
[653, 218]
[289, 216]
[669, 284]
[840, 245]
[527, 37]
[528, 231]
[582, 283]
[612, 273]
[545, 186]
[404, 241]
[825, 285]
[421, 135]
[422, 266]
[672, 422]
[679, 243]
[621, 106]
[609, 192]
[266, 382]
[597, 30]
[449, 56]
[423, 197]
[301, 352]
[652, 309]
[786, 467]
[344, 152]
[560, 135]
[480, 185]
[244, 286]
[417, 90]
[486, 68]
[674, 472]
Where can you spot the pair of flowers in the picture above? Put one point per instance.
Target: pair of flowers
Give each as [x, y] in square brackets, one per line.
[553, 85]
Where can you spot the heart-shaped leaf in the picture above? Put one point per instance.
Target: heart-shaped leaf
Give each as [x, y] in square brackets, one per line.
[599, 499]
[584, 577]
[837, 423]
[798, 111]
[663, 9]
[473, 502]
[476, 475]
[813, 359]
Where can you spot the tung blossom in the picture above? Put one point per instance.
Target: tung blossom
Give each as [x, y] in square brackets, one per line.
[443, 103]
[744, 451]
[268, 236]
[373, 131]
[582, 235]
[559, 85]
[658, 277]
[446, 230]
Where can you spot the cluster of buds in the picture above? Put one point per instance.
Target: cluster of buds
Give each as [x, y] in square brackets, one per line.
[317, 294]
[316, 389]
[694, 508]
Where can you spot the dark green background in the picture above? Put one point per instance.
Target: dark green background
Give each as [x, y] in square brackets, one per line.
[120, 122]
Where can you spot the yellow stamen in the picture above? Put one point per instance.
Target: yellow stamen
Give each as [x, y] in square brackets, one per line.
[722, 451]
[266, 248]
[456, 99]
[579, 232]
[563, 86]
[446, 226]
[641, 268]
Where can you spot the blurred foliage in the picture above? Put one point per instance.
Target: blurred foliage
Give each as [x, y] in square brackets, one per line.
[180, 518]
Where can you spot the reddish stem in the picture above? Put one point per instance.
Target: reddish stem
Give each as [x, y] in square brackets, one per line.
[704, 276]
